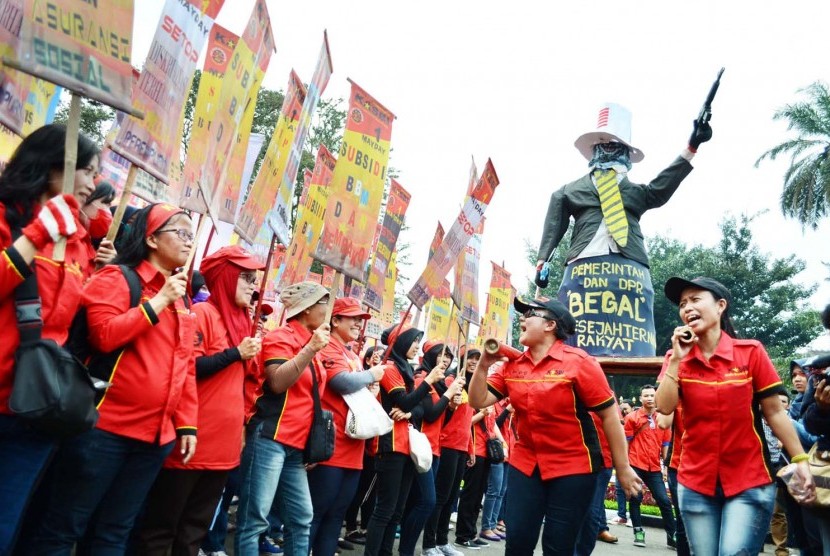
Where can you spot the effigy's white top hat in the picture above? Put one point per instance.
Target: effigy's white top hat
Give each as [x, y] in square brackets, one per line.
[613, 125]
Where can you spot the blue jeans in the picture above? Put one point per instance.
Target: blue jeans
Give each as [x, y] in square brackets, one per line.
[102, 474]
[272, 472]
[414, 520]
[719, 525]
[654, 481]
[621, 500]
[503, 505]
[561, 502]
[680, 530]
[215, 538]
[595, 519]
[332, 490]
[25, 455]
[493, 497]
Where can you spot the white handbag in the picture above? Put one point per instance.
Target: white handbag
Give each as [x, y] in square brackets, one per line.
[420, 450]
[366, 418]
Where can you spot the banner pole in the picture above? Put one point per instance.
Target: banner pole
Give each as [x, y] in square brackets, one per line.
[191, 258]
[112, 233]
[209, 238]
[258, 309]
[70, 161]
[335, 286]
[466, 341]
[398, 331]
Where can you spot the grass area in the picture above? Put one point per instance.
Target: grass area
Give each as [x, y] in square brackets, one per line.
[647, 510]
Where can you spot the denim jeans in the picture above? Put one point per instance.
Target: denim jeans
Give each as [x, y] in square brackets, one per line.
[272, 472]
[562, 503]
[719, 525]
[595, 518]
[422, 498]
[493, 497]
[25, 456]
[102, 474]
[680, 529]
[621, 500]
[218, 532]
[654, 481]
[332, 489]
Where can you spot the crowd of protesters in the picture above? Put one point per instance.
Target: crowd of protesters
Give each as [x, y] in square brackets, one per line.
[202, 407]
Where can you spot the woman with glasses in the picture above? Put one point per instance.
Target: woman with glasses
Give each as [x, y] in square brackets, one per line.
[34, 216]
[102, 476]
[183, 500]
[555, 463]
[726, 488]
[272, 470]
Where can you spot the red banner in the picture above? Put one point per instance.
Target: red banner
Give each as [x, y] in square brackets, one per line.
[396, 205]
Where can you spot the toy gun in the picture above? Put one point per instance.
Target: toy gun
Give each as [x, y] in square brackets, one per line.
[706, 112]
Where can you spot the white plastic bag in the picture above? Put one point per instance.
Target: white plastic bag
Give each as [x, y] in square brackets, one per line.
[420, 450]
[366, 418]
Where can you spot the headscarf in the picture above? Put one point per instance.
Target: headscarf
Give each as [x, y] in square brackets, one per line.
[611, 155]
[401, 342]
[222, 281]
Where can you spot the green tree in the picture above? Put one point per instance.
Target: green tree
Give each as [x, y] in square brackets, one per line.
[96, 118]
[806, 192]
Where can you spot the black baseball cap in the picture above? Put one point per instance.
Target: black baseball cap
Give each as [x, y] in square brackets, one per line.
[558, 310]
[675, 286]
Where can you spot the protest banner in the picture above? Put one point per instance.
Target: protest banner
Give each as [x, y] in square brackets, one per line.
[242, 78]
[261, 196]
[456, 239]
[612, 308]
[442, 315]
[85, 47]
[396, 205]
[279, 218]
[153, 143]
[496, 323]
[356, 187]
[436, 241]
[465, 288]
[219, 51]
[21, 116]
[387, 311]
[309, 223]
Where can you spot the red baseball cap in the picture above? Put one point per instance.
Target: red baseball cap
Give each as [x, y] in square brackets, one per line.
[349, 307]
[233, 254]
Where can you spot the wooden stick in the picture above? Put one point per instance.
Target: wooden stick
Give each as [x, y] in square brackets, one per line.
[122, 203]
[258, 309]
[335, 286]
[210, 237]
[70, 163]
[191, 258]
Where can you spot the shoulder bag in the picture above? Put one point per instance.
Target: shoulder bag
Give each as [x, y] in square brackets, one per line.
[495, 448]
[320, 444]
[366, 418]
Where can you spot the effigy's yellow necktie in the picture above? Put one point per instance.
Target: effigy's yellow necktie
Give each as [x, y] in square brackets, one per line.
[613, 210]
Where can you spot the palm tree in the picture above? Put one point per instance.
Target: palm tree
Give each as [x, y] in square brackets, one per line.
[806, 193]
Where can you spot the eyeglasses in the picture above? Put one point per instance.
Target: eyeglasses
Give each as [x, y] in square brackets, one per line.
[323, 301]
[184, 235]
[533, 313]
[248, 277]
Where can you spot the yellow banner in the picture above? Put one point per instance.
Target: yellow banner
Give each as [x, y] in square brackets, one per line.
[219, 52]
[84, 46]
[38, 109]
[357, 187]
[496, 322]
[441, 314]
[387, 312]
[261, 196]
[309, 223]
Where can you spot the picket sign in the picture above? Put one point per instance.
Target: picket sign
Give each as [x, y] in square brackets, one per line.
[261, 298]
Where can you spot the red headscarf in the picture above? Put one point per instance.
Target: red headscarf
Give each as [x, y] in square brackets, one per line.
[221, 271]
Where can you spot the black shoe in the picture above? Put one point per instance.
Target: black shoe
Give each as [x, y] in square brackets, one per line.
[481, 543]
[468, 544]
[344, 544]
[356, 537]
[671, 542]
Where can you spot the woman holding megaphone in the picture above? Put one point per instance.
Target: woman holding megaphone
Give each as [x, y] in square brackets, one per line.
[554, 464]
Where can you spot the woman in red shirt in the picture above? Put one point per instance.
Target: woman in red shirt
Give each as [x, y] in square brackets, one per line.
[182, 502]
[333, 483]
[395, 469]
[152, 401]
[555, 463]
[33, 216]
[726, 489]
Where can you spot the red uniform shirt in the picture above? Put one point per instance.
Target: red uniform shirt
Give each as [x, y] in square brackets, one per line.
[348, 451]
[60, 286]
[724, 440]
[153, 392]
[481, 435]
[676, 447]
[552, 400]
[507, 427]
[398, 439]
[221, 406]
[432, 430]
[645, 440]
[456, 432]
[603, 442]
[287, 416]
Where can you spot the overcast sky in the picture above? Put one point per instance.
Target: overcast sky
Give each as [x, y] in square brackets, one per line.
[519, 81]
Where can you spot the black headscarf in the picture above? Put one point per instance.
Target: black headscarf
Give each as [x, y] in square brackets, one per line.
[398, 351]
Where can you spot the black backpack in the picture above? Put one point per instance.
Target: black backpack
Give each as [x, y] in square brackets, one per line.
[100, 365]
